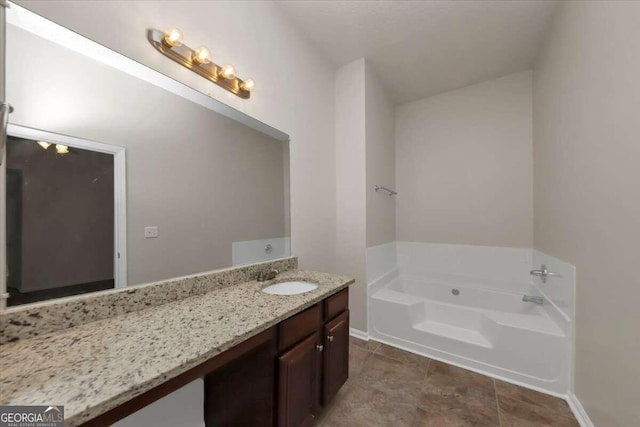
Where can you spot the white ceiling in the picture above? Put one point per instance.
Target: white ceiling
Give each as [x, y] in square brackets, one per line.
[421, 48]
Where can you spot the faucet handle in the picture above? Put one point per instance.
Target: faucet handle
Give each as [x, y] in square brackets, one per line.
[543, 273]
[271, 274]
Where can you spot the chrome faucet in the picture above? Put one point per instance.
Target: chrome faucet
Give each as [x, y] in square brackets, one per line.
[533, 299]
[543, 273]
[268, 275]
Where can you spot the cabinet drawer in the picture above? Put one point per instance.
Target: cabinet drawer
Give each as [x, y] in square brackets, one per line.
[300, 326]
[336, 304]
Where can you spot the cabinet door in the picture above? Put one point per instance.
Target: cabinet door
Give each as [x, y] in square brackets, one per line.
[336, 355]
[299, 383]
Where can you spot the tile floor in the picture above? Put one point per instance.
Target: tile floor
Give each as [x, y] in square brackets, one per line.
[391, 387]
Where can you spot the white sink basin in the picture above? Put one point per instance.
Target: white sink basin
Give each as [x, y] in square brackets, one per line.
[290, 288]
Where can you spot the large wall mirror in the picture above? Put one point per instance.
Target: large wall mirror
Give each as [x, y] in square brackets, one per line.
[110, 181]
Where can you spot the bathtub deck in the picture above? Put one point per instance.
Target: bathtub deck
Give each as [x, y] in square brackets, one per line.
[446, 330]
[391, 387]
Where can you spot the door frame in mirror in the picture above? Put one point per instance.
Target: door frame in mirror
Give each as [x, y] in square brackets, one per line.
[120, 198]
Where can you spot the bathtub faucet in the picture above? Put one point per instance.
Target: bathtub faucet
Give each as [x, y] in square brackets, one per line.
[533, 299]
[543, 273]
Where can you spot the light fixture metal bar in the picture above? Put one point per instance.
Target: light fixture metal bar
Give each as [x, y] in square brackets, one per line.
[183, 54]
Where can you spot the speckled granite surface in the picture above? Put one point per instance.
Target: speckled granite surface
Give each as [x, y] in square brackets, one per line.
[19, 323]
[97, 366]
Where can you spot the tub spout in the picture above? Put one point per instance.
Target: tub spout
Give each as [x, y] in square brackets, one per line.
[533, 299]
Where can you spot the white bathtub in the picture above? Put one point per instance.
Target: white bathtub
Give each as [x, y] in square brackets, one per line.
[491, 331]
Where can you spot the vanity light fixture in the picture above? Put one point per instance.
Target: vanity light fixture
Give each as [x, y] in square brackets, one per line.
[248, 85]
[228, 71]
[202, 55]
[171, 44]
[173, 37]
[62, 149]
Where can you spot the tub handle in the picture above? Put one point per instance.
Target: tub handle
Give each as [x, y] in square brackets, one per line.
[543, 273]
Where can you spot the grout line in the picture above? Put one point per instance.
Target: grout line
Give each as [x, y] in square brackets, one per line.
[353, 379]
[366, 360]
[495, 390]
[426, 374]
[428, 370]
[522, 401]
[364, 363]
[404, 362]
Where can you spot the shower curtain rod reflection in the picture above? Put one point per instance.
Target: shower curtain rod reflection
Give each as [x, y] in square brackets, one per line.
[379, 187]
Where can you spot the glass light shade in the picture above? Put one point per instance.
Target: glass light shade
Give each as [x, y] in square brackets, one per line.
[62, 149]
[228, 72]
[44, 145]
[248, 85]
[202, 55]
[173, 37]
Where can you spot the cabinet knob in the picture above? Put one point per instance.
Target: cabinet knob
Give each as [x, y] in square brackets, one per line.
[330, 338]
[320, 347]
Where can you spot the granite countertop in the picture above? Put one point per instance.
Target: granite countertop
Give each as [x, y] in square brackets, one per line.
[97, 366]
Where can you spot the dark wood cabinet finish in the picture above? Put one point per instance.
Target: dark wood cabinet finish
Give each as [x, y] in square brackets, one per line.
[336, 356]
[294, 329]
[241, 393]
[314, 369]
[299, 383]
[336, 304]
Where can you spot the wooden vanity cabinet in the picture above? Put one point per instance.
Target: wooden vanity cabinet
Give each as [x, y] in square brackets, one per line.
[286, 380]
[312, 371]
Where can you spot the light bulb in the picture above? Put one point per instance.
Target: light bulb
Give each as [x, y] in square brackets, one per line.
[248, 85]
[173, 37]
[202, 55]
[44, 145]
[62, 149]
[228, 72]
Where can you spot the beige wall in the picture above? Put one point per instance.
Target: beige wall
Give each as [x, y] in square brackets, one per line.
[204, 179]
[380, 161]
[464, 165]
[295, 87]
[351, 203]
[587, 192]
[364, 157]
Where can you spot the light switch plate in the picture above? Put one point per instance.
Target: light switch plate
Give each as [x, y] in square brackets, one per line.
[151, 232]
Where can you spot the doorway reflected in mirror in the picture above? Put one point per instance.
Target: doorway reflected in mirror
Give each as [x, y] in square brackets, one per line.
[59, 220]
